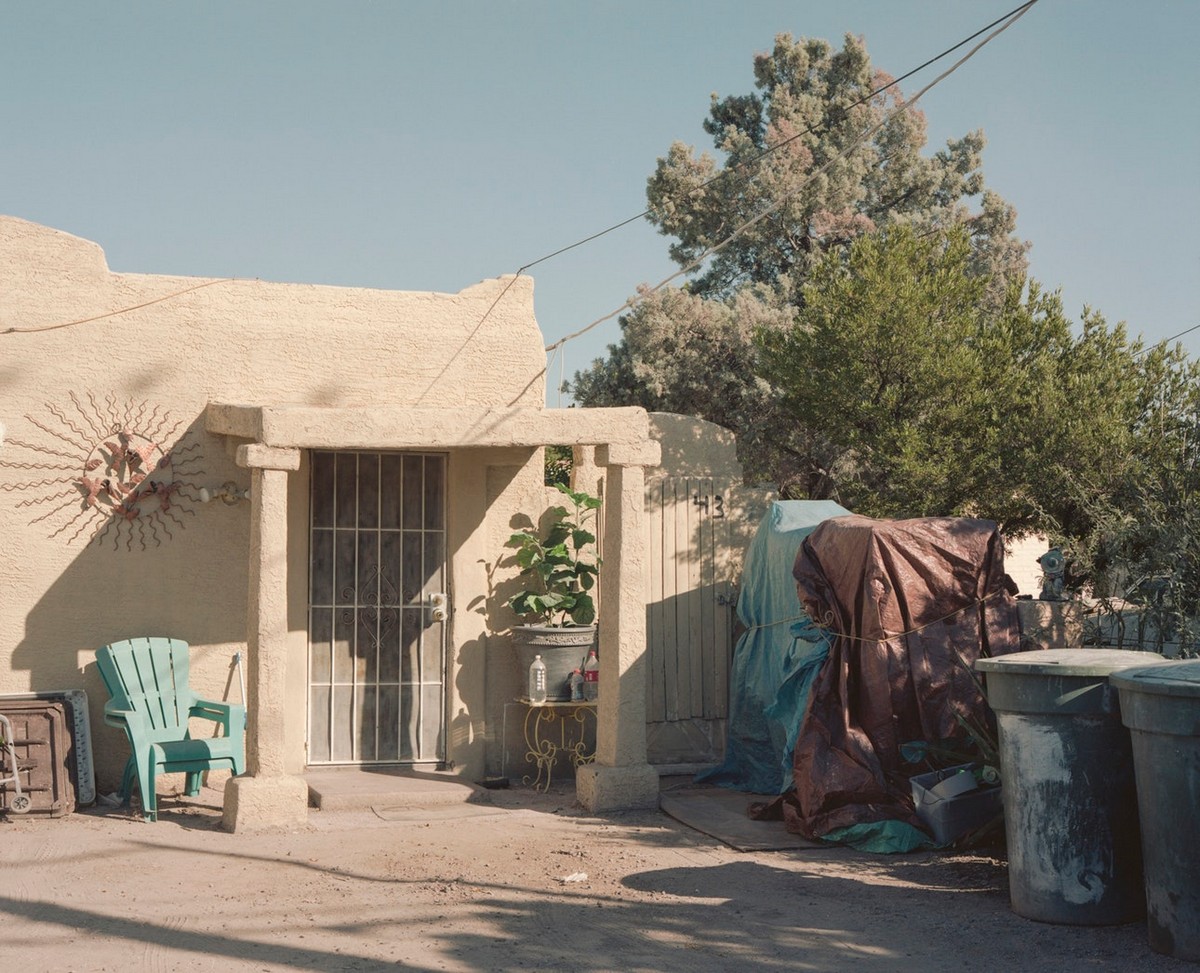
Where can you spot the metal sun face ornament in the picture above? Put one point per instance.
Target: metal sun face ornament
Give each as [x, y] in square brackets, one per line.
[108, 470]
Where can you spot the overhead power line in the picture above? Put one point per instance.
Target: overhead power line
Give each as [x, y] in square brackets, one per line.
[1175, 337]
[1166, 341]
[122, 310]
[744, 169]
[753, 162]
[1012, 18]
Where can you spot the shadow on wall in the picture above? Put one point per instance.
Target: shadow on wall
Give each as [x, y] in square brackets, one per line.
[150, 558]
[492, 652]
[690, 639]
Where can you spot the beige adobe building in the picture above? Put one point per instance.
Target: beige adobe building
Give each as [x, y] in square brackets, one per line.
[386, 442]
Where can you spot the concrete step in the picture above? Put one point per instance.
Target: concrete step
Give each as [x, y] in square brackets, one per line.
[358, 788]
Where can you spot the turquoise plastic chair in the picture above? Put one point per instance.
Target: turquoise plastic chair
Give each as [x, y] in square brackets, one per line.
[147, 679]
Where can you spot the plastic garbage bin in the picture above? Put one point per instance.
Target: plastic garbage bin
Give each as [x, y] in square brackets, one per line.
[1161, 707]
[1067, 785]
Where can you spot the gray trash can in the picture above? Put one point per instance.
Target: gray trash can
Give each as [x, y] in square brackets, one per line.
[1161, 707]
[1066, 769]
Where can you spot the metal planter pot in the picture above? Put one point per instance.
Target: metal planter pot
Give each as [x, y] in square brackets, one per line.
[563, 649]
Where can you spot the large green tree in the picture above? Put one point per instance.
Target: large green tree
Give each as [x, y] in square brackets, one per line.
[1129, 513]
[789, 150]
[866, 325]
[932, 401]
[880, 358]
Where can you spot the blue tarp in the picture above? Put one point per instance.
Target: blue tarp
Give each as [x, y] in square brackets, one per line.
[776, 658]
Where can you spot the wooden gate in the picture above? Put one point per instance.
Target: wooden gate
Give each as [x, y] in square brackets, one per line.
[701, 519]
[689, 617]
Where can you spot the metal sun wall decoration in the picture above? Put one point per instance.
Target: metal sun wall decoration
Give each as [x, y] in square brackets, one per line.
[122, 473]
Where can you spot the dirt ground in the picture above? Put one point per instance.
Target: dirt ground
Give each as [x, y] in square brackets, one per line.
[478, 888]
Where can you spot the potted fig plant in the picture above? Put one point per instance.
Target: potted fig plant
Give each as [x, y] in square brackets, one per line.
[556, 603]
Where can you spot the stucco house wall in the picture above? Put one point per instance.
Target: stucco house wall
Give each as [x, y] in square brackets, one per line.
[1021, 563]
[73, 374]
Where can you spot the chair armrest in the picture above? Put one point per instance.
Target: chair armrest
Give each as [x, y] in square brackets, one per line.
[219, 712]
[131, 721]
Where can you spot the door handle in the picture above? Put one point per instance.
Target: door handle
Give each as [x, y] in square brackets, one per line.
[438, 609]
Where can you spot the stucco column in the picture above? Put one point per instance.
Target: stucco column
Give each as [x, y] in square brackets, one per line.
[266, 797]
[621, 777]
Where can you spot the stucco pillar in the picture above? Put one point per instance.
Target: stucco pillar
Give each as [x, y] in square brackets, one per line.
[266, 797]
[621, 777]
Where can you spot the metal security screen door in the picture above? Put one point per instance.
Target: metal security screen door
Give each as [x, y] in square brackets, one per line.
[376, 629]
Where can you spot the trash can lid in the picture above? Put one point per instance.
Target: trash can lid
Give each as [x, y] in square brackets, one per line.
[1173, 679]
[1068, 662]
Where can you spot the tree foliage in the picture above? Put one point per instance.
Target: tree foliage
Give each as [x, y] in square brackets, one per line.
[1132, 528]
[682, 353]
[874, 339]
[812, 105]
[880, 359]
[691, 350]
[932, 402]
[1146, 552]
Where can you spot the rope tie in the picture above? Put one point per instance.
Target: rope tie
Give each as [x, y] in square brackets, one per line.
[832, 634]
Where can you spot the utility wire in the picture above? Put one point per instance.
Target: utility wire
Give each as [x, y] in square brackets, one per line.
[752, 162]
[743, 169]
[1146, 349]
[1175, 337]
[769, 210]
[123, 310]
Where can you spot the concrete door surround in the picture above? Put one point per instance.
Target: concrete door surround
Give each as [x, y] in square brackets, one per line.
[269, 440]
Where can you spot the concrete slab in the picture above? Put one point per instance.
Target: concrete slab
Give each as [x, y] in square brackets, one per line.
[357, 788]
[443, 812]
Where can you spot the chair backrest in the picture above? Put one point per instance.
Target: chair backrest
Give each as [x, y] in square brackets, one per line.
[150, 676]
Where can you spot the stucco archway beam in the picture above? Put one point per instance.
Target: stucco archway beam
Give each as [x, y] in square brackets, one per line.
[400, 427]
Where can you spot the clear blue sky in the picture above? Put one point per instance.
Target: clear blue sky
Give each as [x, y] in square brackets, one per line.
[429, 145]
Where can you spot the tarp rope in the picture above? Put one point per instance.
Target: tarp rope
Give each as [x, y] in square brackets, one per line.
[831, 633]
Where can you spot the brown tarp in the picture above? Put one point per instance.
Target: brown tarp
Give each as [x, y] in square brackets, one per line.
[912, 604]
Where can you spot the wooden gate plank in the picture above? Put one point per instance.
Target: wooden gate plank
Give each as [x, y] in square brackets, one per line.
[671, 515]
[695, 598]
[723, 585]
[708, 601]
[655, 677]
[691, 641]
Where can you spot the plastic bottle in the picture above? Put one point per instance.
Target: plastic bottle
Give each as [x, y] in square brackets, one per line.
[591, 676]
[537, 680]
[576, 681]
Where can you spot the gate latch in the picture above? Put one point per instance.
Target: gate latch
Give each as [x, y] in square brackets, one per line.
[437, 606]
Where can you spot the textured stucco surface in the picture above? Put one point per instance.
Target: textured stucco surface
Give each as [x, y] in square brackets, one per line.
[320, 348]
[694, 447]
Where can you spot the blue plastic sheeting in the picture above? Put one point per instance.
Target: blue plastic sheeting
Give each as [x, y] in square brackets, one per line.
[881, 837]
[777, 657]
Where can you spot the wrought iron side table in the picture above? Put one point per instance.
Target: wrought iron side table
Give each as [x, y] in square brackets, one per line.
[553, 729]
